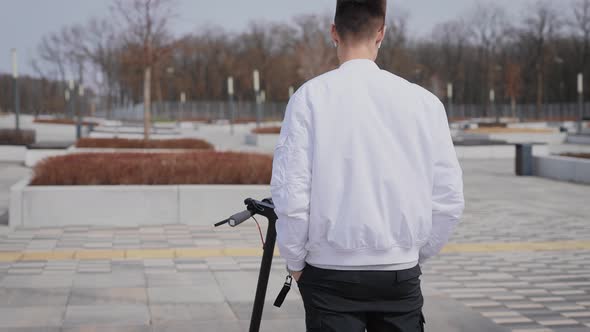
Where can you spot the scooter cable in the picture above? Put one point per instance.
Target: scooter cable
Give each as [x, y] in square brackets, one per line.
[259, 231]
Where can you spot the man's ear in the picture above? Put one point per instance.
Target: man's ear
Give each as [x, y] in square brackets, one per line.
[335, 37]
[381, 34]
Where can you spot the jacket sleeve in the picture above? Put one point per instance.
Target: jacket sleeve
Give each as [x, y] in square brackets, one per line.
[447, 192]
[291, 182]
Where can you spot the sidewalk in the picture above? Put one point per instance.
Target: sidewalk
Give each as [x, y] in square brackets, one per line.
[520, 261]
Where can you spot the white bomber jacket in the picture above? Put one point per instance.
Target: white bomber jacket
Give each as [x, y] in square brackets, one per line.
[365, 172]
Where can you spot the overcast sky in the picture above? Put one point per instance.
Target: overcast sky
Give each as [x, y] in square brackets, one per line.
[24, 22]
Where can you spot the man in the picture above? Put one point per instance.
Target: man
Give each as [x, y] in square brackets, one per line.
[366, 185]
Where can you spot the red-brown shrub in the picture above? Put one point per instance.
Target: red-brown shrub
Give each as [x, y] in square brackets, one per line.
[64, 122]
[266, 130]
[119, 143]
[17, 137]
[203, 167]
[577, 155]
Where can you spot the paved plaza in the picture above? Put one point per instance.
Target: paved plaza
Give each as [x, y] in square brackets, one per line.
[520, 261]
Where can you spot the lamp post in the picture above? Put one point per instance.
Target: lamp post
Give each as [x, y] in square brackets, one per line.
[450, 99]
[493, 104]
[182, 102]
[67, 97]
[171, 98]
[79, 111]
[16, 92]
[581, 100]
[230, 95]
[256, 78]
[71, 87]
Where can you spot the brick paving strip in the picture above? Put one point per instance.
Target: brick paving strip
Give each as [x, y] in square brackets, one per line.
[91, 254]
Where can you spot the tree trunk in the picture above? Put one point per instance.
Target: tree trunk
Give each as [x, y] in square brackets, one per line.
[147, 118]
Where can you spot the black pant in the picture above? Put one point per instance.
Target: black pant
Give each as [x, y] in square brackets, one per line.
[355, 301]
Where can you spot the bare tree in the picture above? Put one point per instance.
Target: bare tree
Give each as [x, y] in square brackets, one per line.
[541, 26]
[393, 55]
[314, 52]
[488, 23]
[581, 27]
[52, 58]
[146, 23]
[513, 84]
[452, 40]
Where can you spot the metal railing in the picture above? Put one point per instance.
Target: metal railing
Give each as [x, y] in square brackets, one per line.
[246, 110]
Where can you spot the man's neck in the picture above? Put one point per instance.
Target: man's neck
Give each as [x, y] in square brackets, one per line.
[356, 52]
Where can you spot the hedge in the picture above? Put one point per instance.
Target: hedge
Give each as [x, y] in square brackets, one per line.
[203, 167]
[17, 137]
[120, 143]
[267, 130]
[64, 122]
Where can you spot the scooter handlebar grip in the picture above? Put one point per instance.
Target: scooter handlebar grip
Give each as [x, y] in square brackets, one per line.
[239, 218]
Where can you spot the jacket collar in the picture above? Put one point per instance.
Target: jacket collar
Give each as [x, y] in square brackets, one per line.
[360, 63]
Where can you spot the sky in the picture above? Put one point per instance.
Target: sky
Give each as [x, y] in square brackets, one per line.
[24, 22]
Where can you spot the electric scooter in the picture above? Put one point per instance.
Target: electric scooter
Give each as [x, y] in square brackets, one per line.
[264, 208]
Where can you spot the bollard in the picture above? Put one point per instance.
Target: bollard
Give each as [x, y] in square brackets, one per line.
[524, 159]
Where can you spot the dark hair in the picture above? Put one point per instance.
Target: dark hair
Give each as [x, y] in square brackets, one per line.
[359, 19]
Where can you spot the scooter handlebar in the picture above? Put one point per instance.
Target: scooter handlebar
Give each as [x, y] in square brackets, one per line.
[239, 218]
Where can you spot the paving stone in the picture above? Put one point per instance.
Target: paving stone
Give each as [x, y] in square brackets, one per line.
[511, 320]
[31, 317]
[184, 295]
[99, 328]
[107, 315]
[580, 314]
[111, 280]
[191, 326]
[33, 297]
[31, 329]
[483, 304]
[172, 313]
[103, 296]
[496, 314]
[36, 281]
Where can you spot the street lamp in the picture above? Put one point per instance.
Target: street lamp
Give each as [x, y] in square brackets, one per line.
[72, 94]
[450, 99]
[79, 111]
[170, 98]
[16, 92]
[581, 98]
[230, 95]
[493, 104]
[182, 102]
[256, 77]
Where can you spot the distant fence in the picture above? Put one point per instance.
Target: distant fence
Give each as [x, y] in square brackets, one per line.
[528, 112]
[246, 110]
[201, 110]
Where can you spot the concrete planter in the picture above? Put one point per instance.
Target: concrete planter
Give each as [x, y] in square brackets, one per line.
[579, 139]
[13, 153]
[562, 168]
[494, 151]
[550, 138]
[127, 206]
[265, 141]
